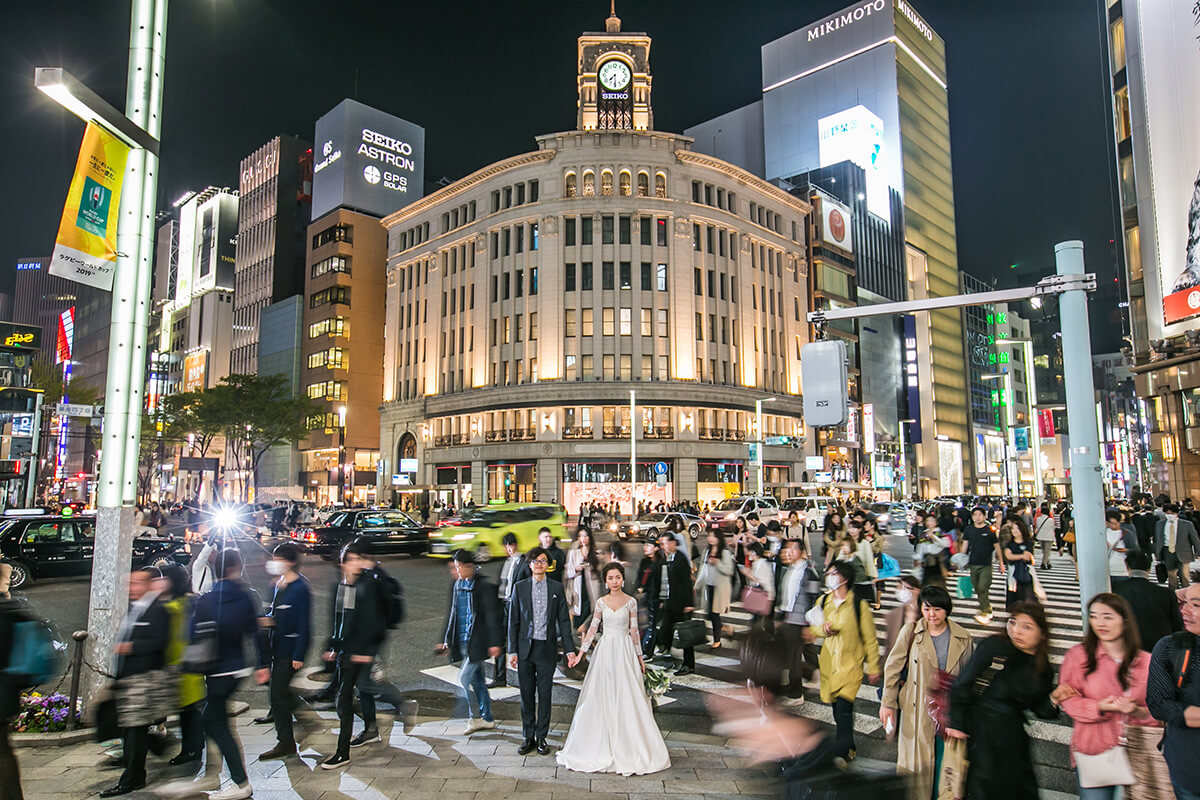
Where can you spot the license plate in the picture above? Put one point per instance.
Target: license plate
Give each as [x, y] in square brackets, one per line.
[439, 547]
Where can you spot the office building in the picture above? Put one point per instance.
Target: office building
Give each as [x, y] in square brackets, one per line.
[39, 298]
[614, 283]
[275, 193]
[1154, 65]
[868, 84]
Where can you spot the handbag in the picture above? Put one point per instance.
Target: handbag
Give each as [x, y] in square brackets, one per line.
[965, 589]
[937, 701]
[201, 654]
[689, 633]
[756, 600]
[1160, 571]
[889, 567]
[1110, 768]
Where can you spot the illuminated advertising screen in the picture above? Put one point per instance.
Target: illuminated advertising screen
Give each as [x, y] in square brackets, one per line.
[366, 160]
[195, 371]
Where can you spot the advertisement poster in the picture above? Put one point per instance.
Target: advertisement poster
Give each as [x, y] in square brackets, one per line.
[85, 250]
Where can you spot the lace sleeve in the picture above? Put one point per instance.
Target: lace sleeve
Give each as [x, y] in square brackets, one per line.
[591, 631]
[633, 626]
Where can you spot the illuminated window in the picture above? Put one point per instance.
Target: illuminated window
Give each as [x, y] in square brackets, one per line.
[608, 320]
[572, 188]
[625, 185]
[660, 185]
[586, 317]
[589, 184]
[333, 326]
[643, 184]
[606, 183]
[626, 328]
[332, 264]
[333, 358]
[1117, 42]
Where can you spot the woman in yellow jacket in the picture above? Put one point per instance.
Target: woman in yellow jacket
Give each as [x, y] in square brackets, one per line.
[175, 589]
[850, 644]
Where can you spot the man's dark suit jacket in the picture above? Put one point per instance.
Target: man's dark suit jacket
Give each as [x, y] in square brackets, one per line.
[679, 590]
[1154, 608]
[148, 638]
[486, 632]
[520, 618]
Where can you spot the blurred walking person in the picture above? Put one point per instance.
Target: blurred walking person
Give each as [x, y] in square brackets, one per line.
[927, 655]
[10, 692]
[174, 590]
[1173, 695]
[798, 589]
[1008, 675]
[648, 581]
[228, 616]
[1043, 532]
[288, 626]
[508, 579]
[715, 580]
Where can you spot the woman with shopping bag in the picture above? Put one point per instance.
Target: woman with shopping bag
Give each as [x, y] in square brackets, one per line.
[1103, 689]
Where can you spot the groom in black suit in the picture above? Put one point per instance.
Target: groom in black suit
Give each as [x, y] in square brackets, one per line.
[537, 618]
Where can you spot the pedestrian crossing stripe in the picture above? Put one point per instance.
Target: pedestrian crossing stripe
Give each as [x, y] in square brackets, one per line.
[449, 674]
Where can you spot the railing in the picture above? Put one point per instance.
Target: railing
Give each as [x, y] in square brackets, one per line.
[712, 434]
[621, 432]
[496, 436]
[734, 435]
[658, 432]
[578, 432]
[521, 434]
[441, 441]
[461, 438]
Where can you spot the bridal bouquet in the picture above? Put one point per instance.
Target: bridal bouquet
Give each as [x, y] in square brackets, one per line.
[656, 681]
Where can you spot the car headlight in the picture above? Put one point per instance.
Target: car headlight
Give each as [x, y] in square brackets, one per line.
[633, 526]
[462, 537]
[731, 515]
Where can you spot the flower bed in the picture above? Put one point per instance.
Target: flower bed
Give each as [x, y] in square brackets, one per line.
[42, 713]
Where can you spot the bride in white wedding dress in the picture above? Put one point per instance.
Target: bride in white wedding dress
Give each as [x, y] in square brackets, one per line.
[614, 729]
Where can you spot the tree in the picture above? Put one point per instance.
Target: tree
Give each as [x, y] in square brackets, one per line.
[49, 378]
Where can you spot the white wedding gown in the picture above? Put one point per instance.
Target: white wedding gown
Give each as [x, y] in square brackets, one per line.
[614, 729]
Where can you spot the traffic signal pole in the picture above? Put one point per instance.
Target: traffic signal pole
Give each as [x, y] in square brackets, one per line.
[1071, 284]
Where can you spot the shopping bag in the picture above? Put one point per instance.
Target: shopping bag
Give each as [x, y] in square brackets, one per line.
[953, 782]
[965, 589]
[756, 601]
[890, 567]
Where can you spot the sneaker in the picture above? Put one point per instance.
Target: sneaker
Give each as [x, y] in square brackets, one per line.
[234, 792]
[983, 619]
[485, 725]
[335, 761]
[791, 702]
[366, 737]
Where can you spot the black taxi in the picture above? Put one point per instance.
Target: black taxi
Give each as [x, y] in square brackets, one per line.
[40, 546]
[384, 531]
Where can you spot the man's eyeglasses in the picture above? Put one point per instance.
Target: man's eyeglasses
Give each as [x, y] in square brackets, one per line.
[541, 561]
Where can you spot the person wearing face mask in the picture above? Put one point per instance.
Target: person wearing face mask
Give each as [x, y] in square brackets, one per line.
[1176, 543]
[850, 646]
[906, 613]
[928, 652]
[1008, 675]
[288, 625]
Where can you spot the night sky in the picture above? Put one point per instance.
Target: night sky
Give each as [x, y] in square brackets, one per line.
[1028, 110]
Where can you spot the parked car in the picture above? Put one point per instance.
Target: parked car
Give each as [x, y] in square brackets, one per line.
[482, 528]
[52, 546]
[812, 509]
[723, 515]
[384, 531]
[650, 525]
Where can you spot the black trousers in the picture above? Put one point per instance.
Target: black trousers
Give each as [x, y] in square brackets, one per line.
[799, 657]
[843, 718]
[536, 676]
[648, 636]
[216, 724]
[353, 673]
[283, 699]
[136, 744]
[191, 728]
[666, 635]
[10, 775]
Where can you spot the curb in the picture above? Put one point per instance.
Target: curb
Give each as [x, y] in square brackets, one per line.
[60, 739]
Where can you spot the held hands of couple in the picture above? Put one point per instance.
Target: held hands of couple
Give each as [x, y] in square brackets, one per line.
[1062, 693]
[573, 659]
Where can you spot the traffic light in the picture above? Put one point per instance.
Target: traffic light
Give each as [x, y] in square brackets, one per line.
[823, 381]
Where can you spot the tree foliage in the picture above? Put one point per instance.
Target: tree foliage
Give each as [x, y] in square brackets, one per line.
[49, 378]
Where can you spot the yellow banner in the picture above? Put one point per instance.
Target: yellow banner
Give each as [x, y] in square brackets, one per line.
[85, 250]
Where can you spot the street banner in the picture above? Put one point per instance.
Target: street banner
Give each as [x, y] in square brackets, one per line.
[1021, 439]
[85, 250]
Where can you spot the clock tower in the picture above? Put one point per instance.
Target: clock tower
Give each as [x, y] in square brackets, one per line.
[614, 79]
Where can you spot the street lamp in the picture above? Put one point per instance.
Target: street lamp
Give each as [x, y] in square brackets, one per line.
[1031, 393]
[139, 127]
[1007, 420]
[341, 490]
[758, 453]
[904, 458]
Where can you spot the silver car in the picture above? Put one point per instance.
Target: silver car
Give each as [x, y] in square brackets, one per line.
[649, 525]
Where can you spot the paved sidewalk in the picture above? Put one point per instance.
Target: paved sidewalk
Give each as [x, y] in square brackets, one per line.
[433, 761]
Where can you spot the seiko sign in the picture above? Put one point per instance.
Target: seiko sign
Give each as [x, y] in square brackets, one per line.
[847, 17]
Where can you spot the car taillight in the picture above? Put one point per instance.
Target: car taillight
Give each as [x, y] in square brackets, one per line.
[310, 537]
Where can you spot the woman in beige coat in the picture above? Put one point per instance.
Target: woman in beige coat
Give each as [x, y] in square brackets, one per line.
[715, 582]
[924, 647]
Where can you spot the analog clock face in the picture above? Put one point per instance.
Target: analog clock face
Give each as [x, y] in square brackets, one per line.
[614, 75]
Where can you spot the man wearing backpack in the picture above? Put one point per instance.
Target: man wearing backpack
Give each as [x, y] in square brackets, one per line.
[1173, 697]
[360, 622]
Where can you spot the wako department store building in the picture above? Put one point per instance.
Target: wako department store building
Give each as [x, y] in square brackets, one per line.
[527, 301]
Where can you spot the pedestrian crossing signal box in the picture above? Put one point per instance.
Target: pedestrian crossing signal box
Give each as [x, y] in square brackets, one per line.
[823, 381]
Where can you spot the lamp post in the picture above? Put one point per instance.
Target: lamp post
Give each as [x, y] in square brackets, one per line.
[1030, 392]
[904, 459]
[138, 127]
[1006, 418]
[758, 453]
[341, 489]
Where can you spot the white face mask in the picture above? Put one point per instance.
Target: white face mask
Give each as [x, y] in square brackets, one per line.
[904, 595]
[276, 567]
[832, 582]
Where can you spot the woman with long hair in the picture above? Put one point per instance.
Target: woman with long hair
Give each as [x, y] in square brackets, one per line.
[1103, 688]
[760, 575]
[875, 539]
[1043, 532]
[833, 533]
[583, 578]
[862, 558]
[1018, 553]
[927, 653]
[1009, 675]
[716, 580]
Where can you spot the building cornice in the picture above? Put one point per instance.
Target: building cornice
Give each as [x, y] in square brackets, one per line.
[692, 158]
[460, 186]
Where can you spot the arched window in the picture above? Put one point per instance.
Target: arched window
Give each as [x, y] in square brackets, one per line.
[589, 183]
[606, 186]
[626, 187]
[660, 185]
[643, 184]
[572, 189]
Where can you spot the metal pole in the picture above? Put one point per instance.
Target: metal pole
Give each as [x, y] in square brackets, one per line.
[35, 452]
[633, 428]
[903, 464]
[1012, 476]
[76, 666]
[127, 338]
[1034, 434]
[1091, 546]
[758, 450]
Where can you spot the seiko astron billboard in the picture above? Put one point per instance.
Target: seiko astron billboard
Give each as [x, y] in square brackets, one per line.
[366, 160]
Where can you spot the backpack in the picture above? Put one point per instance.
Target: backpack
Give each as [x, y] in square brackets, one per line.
[33, 658]
[1182, 643]
[393, 597]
